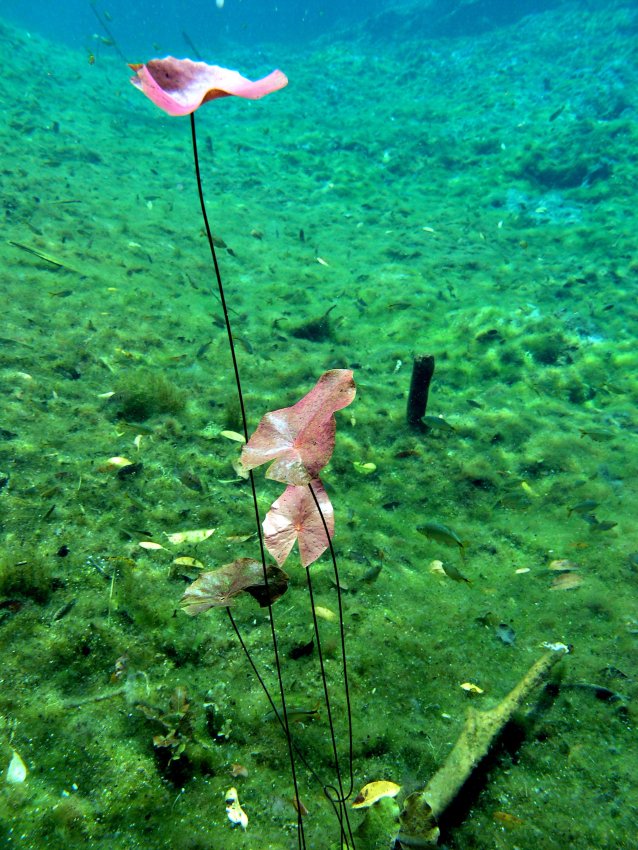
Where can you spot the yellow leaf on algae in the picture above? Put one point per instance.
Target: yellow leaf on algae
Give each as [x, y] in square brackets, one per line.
[150, 544]
[114, 463]
[233, 435]
[471, 688]
[188, 562]
[325, 613]
[196, 536]
[374, 791]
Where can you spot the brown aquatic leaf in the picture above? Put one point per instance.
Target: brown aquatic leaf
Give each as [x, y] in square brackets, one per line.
[217, 588]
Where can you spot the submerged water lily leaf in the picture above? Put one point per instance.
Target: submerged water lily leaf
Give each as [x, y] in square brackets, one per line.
[180, 86]
[217, 588]
[294, 517]
[300, 439]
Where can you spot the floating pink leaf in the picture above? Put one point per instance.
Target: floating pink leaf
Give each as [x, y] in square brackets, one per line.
[217, 588]
[294, 516]
[180, 86]
[300, 439]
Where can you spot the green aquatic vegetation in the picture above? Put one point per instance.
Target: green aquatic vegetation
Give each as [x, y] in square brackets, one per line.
[142, 393]
[564, 383]
[548, 348]
[26, 573]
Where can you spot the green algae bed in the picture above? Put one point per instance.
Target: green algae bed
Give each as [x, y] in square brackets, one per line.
[429, 193]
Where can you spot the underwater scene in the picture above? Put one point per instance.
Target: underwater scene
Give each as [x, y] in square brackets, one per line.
[318, 435]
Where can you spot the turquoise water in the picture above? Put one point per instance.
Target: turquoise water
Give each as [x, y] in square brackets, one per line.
[469, 195]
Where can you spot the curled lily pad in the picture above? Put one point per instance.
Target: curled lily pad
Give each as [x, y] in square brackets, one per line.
[218, 588]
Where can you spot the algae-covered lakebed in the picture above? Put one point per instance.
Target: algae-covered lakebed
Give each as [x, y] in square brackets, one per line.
[468, 198]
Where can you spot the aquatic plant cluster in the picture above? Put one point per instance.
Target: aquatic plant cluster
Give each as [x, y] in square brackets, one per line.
[480, 209]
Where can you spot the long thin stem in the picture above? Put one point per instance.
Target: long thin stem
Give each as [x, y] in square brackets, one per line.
[231, 345]
[344, 660]
[334, 801]
[347, 840]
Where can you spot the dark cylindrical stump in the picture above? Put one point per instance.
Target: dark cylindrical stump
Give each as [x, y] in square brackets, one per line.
[422, 371]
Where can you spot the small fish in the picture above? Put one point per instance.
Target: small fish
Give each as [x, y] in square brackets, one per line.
[190, 480]
[441, 533]
[556, 113]
[599, 435]
[437, 423]
[372, 574]
[587, 506]
[63, 611]
[203, 348]
[507, 820]
[452, 572]
[515, 500]
[590, 519]
[295, 714]
[603, 525]
[505, 634]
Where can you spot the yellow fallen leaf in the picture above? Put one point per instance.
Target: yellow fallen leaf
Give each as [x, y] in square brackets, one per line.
[188, 562]
[233, 435]
[198, 535]
[114, 463]
[437, 567]
[364, 468]
[149, 544]
[471, 688]
[325, 613]
[374, 791]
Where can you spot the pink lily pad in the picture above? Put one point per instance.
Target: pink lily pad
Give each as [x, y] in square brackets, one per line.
[218, 588]
[300, 439]
[180, 86]
[294, 517]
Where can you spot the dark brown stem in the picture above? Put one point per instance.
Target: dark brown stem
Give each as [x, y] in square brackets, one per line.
[422, 371]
